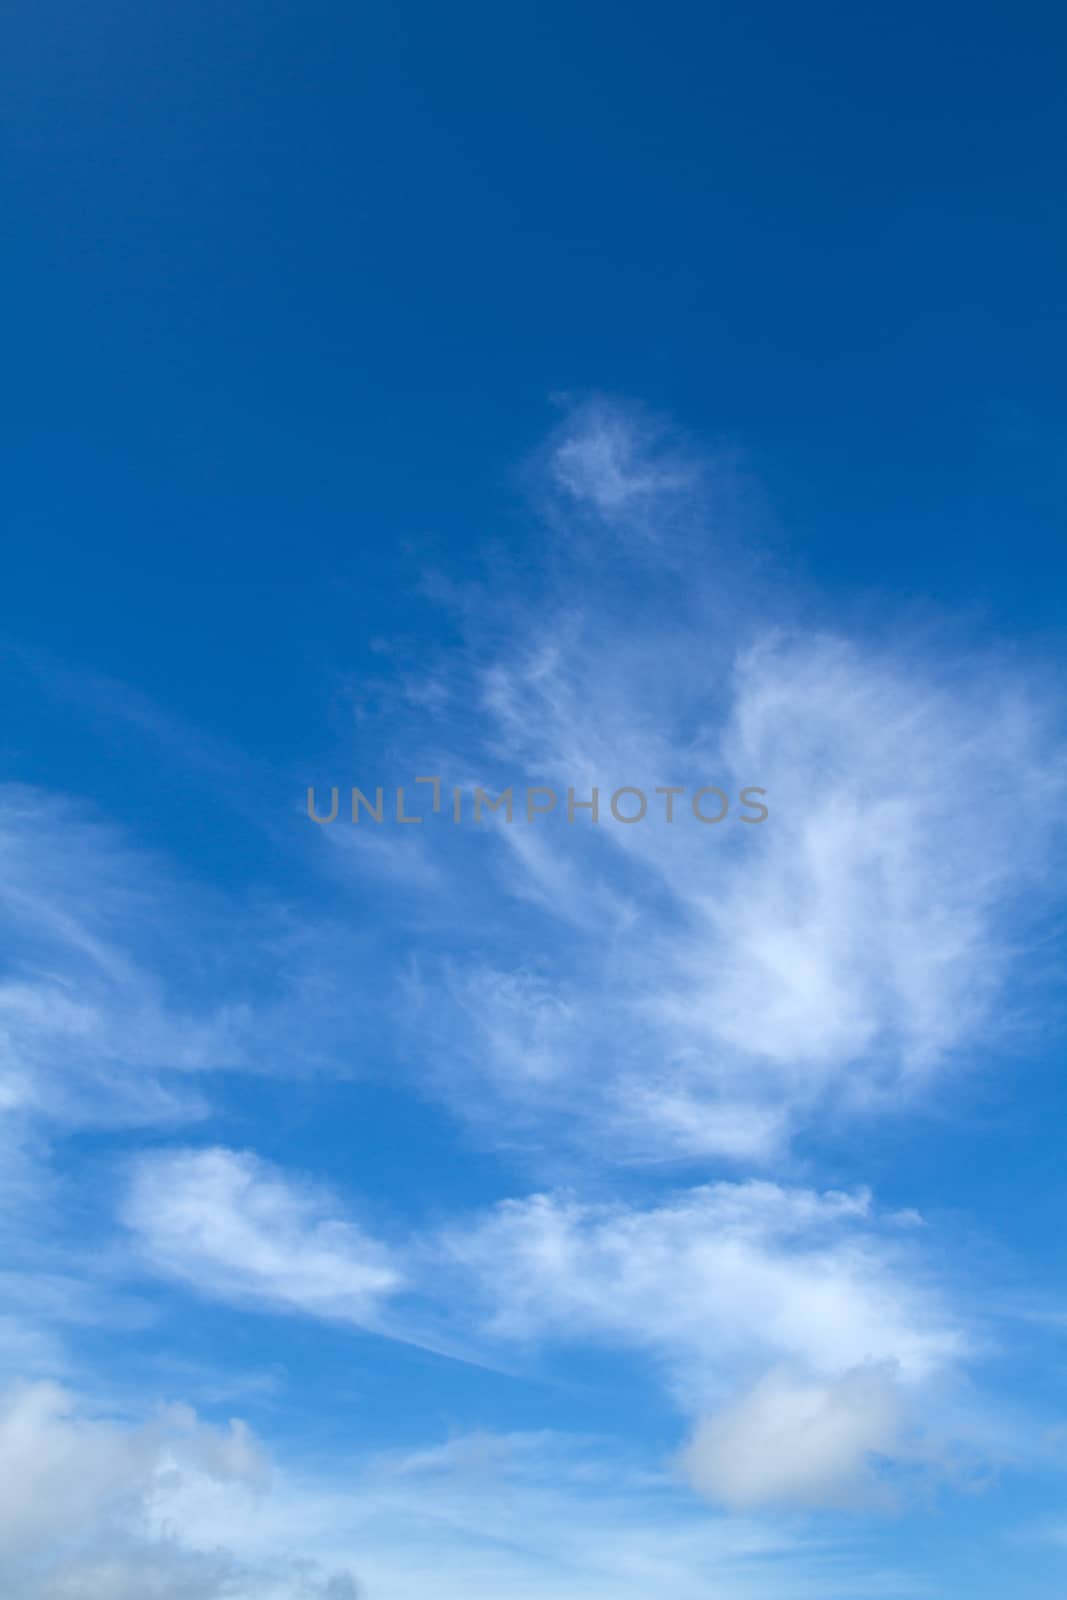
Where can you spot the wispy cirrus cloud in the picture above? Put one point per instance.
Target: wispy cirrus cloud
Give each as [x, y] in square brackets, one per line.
[98, 1026]
[124, 984]
[720, 987]
[712, 1279]
[237, 1230]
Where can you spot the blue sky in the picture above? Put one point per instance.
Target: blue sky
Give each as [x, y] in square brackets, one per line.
[549, 1210]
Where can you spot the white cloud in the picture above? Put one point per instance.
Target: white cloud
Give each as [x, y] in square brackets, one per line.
[620, 462]
[97, 1508]
[717, 1286]
[799, 1326]
[88, 1501]
[707, 1281]
[711, 1280]
[870, 933]
[720, 987]
[797, 1441]
[228, 1224]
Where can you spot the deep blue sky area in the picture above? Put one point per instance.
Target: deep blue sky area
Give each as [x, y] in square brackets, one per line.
[290, 284]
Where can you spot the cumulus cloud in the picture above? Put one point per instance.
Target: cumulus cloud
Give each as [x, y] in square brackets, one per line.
[797, 1441]
[87, 1509]
[173, 1509]
[63, 1469]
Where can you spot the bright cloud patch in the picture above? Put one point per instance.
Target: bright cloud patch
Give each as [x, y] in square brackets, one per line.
[87, 1510]
[712, 1279]
[235, 1229]
[708, 991]
[796, 1441]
